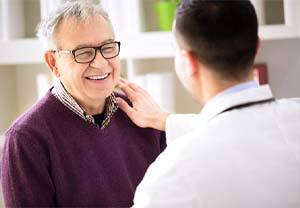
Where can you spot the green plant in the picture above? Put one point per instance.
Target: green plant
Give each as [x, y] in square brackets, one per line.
[165, 11]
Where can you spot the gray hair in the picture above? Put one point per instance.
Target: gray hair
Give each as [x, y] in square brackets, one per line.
[79, 9]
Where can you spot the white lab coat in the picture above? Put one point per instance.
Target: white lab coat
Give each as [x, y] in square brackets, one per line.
[247, 157]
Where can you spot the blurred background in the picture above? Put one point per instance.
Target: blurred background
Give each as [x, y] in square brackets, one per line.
[144, 28]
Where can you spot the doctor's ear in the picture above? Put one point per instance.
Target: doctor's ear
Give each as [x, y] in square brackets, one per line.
[192, 62]
[50, 59]
[258, 46]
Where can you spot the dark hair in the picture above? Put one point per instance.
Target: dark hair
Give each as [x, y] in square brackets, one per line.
[222, 34]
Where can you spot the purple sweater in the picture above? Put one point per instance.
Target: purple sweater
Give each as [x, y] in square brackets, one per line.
[52, 157]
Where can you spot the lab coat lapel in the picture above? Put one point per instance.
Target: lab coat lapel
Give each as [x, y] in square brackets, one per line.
[220, 104]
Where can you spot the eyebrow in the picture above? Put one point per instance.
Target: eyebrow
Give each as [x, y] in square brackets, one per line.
[93, 45]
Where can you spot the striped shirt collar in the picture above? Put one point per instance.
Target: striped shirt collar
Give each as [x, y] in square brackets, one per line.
[111, 105]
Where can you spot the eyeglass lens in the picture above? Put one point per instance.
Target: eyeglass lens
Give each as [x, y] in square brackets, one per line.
[87, 54]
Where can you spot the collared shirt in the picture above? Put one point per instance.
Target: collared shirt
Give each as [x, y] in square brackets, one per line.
[111, 105]
[183, 123]
[238, 88]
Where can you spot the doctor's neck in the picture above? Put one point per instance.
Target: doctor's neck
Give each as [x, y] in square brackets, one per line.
[210, 85]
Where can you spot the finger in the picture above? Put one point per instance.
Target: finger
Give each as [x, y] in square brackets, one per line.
[119, 90]
[123, 80]
[131, 113]
[127, 90]
[135, 87]
[125, 107]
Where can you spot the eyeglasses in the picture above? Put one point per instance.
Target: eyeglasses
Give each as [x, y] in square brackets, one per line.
[88, 54]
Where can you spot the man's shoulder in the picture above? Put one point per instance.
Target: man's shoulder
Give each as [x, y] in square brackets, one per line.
[128, 124]
[252, 122]
[34, 117]
[123, 96]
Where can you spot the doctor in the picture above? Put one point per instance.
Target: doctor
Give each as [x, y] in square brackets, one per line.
[243, 148]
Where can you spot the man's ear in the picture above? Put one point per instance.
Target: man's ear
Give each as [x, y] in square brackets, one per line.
[50, 59]
[258, 46]
[192, 62]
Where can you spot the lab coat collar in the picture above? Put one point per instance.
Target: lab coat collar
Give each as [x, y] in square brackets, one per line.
[220, 104]
[178, 125]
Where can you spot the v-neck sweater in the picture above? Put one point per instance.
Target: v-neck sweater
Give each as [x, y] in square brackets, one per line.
[52, 157]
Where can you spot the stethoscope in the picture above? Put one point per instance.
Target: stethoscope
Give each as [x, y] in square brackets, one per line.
[245, 105]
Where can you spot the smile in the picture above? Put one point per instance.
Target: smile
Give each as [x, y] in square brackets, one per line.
[99, 77]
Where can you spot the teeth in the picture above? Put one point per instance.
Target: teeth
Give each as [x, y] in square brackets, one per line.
[98, 77]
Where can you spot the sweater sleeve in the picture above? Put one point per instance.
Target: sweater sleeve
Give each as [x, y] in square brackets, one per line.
[163, 142]
[25, 175]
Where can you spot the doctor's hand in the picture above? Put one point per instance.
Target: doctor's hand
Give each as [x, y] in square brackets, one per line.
[145, 112]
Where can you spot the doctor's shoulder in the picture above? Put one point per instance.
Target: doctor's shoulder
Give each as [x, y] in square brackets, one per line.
[295, 100]
[287, 111]
[289, 103]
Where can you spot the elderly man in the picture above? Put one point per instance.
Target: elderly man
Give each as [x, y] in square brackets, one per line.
[243, 149]
[75, 147]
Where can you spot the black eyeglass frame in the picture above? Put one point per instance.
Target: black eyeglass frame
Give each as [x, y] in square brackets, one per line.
[95, 48]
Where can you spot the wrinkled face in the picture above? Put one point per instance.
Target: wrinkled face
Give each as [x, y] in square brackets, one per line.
[90, 82]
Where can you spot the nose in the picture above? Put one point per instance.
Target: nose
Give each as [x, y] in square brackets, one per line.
[99, 61]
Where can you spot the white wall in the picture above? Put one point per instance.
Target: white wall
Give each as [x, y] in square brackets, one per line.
[183, 102]
[18, 90]
[27, 84]
[283, 60]
[8, 104]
